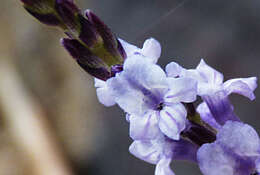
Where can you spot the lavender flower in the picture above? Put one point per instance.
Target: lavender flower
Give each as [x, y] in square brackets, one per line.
[235, 152]
[212, 89]
[103, 93]
[161, 151]
[151, 49]
[146, 95]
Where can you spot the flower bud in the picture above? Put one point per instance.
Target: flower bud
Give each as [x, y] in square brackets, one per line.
[110, 43]
[43, 10]
[90, 41]
[96, 49]
[68, 12]
[89, 62]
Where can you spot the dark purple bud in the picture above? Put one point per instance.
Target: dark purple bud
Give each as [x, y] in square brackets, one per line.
[89, 62]
[37, 3]
[90, 41]
[110, 41]
[49, 19]
[43, 10]
[68, 4]
[100, 73]
[68, 12]
[88, 33]
[28, 2]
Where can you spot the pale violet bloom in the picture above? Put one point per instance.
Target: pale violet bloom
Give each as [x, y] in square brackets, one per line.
[152, 100]
[213, 90]
[161, 151]
[235, 152]
[103, 94]
[151, 49]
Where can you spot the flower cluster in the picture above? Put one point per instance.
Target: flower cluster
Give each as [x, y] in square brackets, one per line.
[164, 123]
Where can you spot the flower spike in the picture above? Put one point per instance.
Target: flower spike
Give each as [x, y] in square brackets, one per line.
[95, 48]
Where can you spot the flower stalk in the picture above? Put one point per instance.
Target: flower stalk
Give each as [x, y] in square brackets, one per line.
[197, 131]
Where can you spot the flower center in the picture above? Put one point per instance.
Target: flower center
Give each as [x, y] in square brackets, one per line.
[160, 106]
[255, 173]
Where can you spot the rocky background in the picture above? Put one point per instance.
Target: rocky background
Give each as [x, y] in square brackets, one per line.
[50, 118]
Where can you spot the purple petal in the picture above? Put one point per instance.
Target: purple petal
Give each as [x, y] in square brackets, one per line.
[220, 107]
[151, 49]
[162, 150]
[130, 100]
[144, 127]
[143, 85]
[141, 70]
[172, 120]
[240, 138]
[243, 86]
[145, 150]
[184, 150]
[208, 74]
[203, 86]
[213, 160]
[163, 167]
[173, 70]
[181, 90]
[153, 151]
[206, 115]
[103, 93]
[235, 152]
[208, 79]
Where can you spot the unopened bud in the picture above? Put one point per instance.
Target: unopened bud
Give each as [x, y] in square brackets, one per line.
[90, 42]
[89, 62]
[68, 12]
[110, 42]
[43, 10]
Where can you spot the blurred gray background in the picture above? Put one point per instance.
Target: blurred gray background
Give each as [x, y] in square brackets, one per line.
[94, 139]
